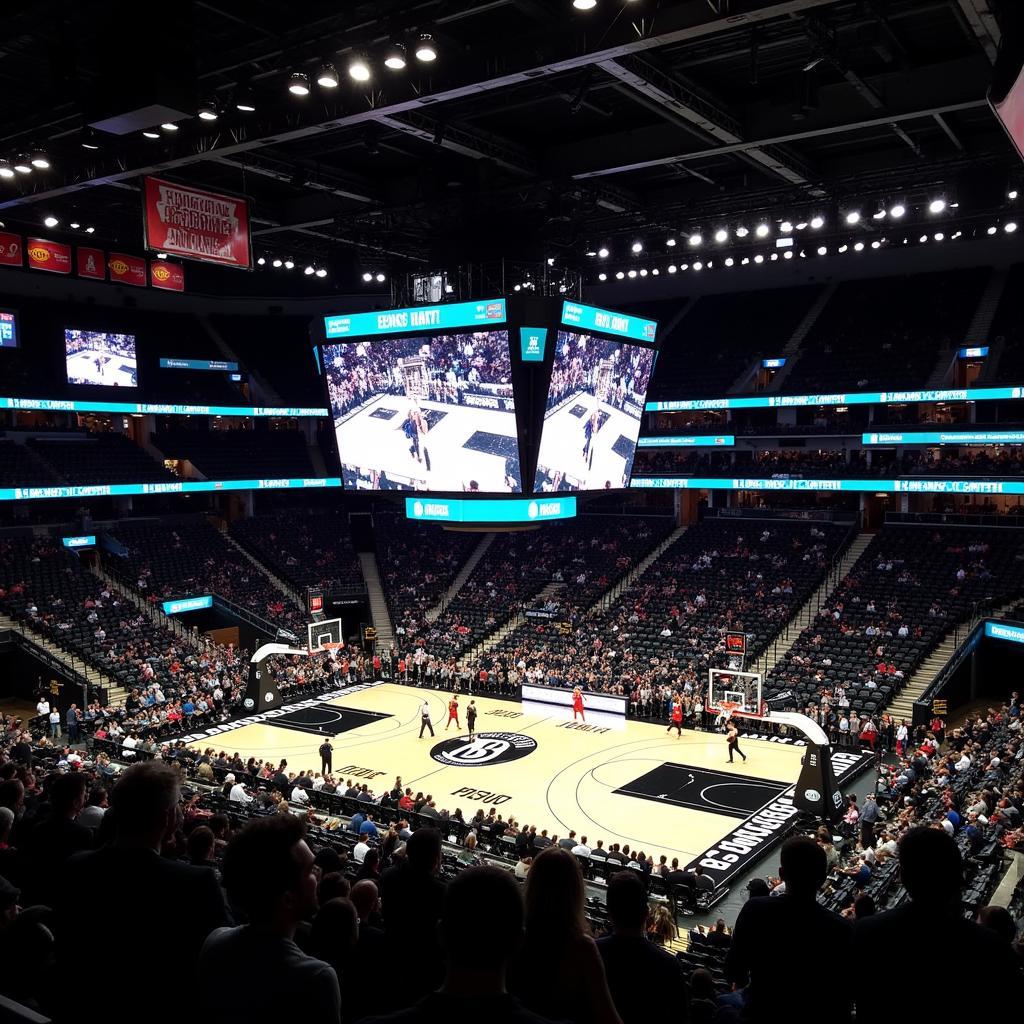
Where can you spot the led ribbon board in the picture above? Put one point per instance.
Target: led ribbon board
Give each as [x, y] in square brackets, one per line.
[168, 363]
[605, 321]
[1001, 631]
[944, 437]
[687, 441]
[187, 604]
[87, 541]
[417, 318]
[839, 398]
[156, 409]
[173, 487]
[868, 486]
[459, 510]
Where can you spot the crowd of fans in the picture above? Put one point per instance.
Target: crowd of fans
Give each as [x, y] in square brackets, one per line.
[581, 359]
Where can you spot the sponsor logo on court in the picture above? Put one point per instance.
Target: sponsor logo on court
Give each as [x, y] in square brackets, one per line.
[484, 796]
[486, 748]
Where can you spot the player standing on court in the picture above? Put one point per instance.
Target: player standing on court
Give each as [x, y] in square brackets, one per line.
[425, 719]
[732, 740]
[453, 713]
[577, 703]
[471, 718]
[326, 753]
[677, 717]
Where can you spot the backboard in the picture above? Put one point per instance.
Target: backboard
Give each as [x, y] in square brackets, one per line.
[321, 635]
[739, 692]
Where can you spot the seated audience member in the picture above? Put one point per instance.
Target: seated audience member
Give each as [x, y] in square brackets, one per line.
[931, 931]
[333, 935]
[115, 882]
[645, 982]
[776, 935]
[476, 959]
[559, 945]
[270, 878]
[52, 840]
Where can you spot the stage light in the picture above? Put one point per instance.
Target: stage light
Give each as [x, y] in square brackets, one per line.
[169, 126]
[695, 239]
[897, 211]
[672, 268]
[245, 101]
[276, 263]
[1010, 227]
[74, 225]
[207, 111]
[844, 248]
[745, 261]
[298, 83]
[289, 264]
[655, 272]
[643, 271]
[698, 265]
[878, 214]
[327, 76]
[632, 274]
[788, 254]
[602, 277]
[262, 261]
[89, 139]
[774, 257]
[603, 252]
[584, 5]
[358, 69]
[22, 165]
[923, 239]
[381, 278]
[876, 244]
[6, 171]
[729, 261]
[859, 247]
[816, 222]
[671, 243]
[367, 276]
[939, 236]
[637, 247]
[853, 217]
[684, 267]
[786, 227]
[551, 261]
[426, 49]
[937, 206]
[308, 271]
[149, 133]
[518, 288]
[992, 230]
[394, 58]
[742, 232]
[50, 221]
[721, 235]
[321, 272]
[619, 276]
[40, 160]
[762, 230]
[822, 250]
[89, 230]
[759, 258]
[1012, 194]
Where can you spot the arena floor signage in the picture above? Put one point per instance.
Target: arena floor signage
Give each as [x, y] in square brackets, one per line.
[485, 749]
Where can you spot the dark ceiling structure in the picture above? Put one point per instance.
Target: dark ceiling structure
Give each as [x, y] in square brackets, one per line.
[539, 130]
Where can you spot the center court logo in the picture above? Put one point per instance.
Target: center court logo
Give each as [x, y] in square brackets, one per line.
[484, 749]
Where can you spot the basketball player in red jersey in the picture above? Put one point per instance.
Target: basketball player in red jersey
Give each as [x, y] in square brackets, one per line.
[577, 704]
[677, 717]
[453, 714]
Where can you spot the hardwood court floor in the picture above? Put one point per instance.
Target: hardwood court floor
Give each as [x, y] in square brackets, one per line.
[620, 781]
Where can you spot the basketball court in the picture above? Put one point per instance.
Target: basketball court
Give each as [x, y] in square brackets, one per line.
[112, 371]
[618, 780]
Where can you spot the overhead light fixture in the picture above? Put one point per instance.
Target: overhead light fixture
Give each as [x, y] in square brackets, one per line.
[939, 236]
[74, 225]
[262, 261]
[308, 271]
[817, 222]
[602, 277]
[327, 78]
[897, 211]
[89, 230]
[879, 214]
[992, 230]
[207, 111]
[762, 230]
[844, 248]
[6, 170]
[245, 101]
[822, 250]
[50, 221]
[169, 126]
[671, 243]
[742, 232]
[695, 239]
[729, 261]
[22, 165]
[394, 57]
[759, 258]
[603, 252]
[721, 235]
[426, 49]
[698, 265]
[381, 278]
[151, 133]
[298, 83]
[643, 271]
[359, 69]
[321, 272]
[619, 276]
[876, 244]
[632, 273]
[788, 254]
[637, 247]
[672, 268]
[937, 206]
[853, 217]
[584, 5]
[786, 227]
[40, 160]
[923, 239]
[859, 247]
[89, 139]
[159, 255]
[1010, 226]
[289, 264]
[276, 263]
[367, 276]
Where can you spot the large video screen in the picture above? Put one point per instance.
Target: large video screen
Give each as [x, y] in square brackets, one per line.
[592, 420]
[8, 328]
[96, 357]
[425, 413]
[1010, 112]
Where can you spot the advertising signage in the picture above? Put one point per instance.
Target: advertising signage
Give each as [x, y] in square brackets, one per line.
[470, 510]
[606, 321]
[388, 322]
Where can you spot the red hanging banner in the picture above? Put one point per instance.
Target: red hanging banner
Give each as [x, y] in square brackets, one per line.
[54, 257]
[169, 276]
[196, 224]
[10, 250]
[91, 263]
[127, 269]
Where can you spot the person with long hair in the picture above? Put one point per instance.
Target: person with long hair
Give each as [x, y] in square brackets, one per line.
[559, 945]
[661, 928]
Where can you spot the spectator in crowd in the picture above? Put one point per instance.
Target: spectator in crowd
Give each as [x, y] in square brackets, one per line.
[779, 934]
[271, 882]
[645, 982]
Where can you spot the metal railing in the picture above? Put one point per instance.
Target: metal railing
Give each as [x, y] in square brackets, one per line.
[954, 519]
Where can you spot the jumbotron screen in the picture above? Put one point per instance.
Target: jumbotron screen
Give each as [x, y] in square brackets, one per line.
[1010, 112]
[96, 357]
[430, 413]
[8, 328]
[592, 420]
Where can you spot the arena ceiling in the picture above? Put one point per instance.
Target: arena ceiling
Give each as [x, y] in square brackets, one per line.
[539, 129]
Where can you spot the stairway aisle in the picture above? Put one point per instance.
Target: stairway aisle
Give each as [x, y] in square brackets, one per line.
[432, 614]
[378, 604]
[285, 588]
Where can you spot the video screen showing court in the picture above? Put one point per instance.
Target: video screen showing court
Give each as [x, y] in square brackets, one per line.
[98, 357]
[425, 413]
[592, 419]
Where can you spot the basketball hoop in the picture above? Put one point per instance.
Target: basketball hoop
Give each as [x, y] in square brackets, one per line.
[727, 707]
[329, 646]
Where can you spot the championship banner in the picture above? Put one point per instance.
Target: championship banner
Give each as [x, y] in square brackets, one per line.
[127, 269]
[10, 249]
[91, 263]
[168, 276]
[196, 224]
[53, 257]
